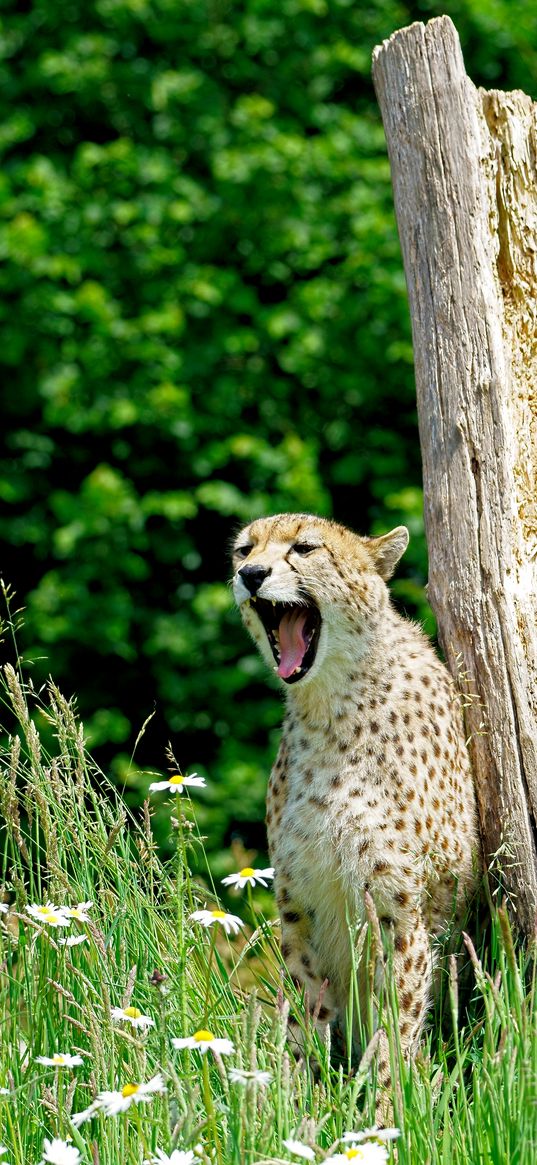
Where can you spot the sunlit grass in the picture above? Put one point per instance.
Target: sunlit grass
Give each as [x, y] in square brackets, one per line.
[470, 1095]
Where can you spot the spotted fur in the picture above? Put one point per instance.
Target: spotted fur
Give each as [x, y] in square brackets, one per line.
[371, 789]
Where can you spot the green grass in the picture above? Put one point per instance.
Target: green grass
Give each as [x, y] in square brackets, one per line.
[469, 1097]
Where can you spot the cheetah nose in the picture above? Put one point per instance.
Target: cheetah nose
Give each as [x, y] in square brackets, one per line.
[253, 576]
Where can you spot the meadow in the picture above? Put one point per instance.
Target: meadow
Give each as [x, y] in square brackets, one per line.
[205, 320]
[142, 1021]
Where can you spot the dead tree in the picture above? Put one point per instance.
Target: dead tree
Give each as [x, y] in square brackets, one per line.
[464, 178]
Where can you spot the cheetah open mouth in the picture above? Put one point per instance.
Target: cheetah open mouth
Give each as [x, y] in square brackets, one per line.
[293, 633]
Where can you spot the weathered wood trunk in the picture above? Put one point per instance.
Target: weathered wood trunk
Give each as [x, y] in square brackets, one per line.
[465, 187]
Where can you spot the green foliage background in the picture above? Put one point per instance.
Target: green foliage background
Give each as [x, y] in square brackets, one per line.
[203, 319]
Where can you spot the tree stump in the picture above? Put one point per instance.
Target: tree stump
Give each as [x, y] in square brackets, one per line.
[464, 178]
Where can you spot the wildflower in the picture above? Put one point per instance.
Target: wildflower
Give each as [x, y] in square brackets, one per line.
[60, 1060]
[248, 876]
[372, 1134]
[133, 1016]
[368, 1153]
[79, 1118]
[238, 1076]
[73, 940]
[176, 783]
[299, 1149]
[111, 1103]
[3, 910]
[230, 922]
[58, 1152]
[158, 979]
[51, 915]
[176, 1158]
[80, 912]
[204, 1041]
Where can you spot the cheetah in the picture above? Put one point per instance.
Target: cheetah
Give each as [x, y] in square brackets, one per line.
[371, 791]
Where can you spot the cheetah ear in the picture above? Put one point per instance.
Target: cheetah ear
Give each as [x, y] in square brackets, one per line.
[387, 550]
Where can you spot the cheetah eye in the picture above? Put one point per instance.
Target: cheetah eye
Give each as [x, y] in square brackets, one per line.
[243, 551]
[303, 548]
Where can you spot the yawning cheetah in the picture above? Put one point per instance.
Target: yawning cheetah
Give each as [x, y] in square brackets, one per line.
[372, 789]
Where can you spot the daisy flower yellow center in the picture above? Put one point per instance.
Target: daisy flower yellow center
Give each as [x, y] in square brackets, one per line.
[132, 1012]
[352, 1153]
[247, 872]
[58, 1058]
[176, 779]
[130, 1089]
[203, 1037]
[218, 913]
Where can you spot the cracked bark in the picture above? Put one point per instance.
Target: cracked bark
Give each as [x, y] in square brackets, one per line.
[464, 178]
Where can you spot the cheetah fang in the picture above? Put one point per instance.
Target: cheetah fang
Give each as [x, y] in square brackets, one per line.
[293, 633]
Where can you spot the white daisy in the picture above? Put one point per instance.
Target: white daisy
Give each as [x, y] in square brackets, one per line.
[51, 915]
[112, 1103]
[299, 1149]
[4, 1092]
[230, 922]
[3, 910]
[178, 1157]
[248, 876]
[133, 1016]
[80, 912]
[60, 1060]
[239, 1076]
[58, 1152]
[372, 1134]
[204, 1041]
[73, 940]
[79, 1118]
[368, 1153]
[176, 783]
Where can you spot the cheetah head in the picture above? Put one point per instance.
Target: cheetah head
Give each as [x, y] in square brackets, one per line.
[305, 585]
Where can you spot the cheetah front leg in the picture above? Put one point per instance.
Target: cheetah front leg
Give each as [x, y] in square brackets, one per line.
[412, 969]
[303, 966]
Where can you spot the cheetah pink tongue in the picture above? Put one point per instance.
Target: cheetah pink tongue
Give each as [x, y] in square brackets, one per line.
[293, 644]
